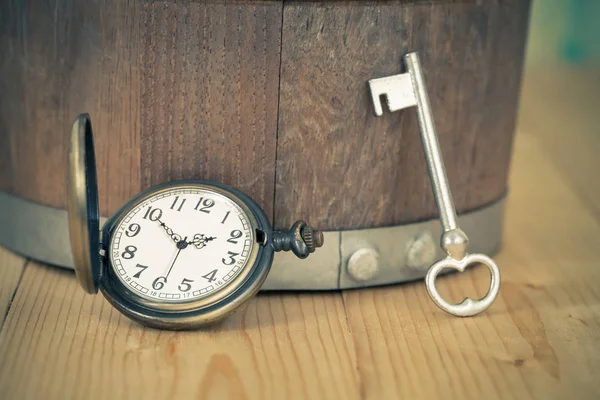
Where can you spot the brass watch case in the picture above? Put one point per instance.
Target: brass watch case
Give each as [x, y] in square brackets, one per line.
[82, 205]
[193, 313]
[92, 261]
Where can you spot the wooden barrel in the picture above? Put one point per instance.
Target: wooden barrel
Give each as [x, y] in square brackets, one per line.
[266, 96]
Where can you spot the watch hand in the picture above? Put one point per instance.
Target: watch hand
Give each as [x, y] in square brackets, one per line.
[175, 237]
[182, 244]
[200, 240]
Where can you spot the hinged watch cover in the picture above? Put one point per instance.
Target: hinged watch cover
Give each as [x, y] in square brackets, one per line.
[82, 204]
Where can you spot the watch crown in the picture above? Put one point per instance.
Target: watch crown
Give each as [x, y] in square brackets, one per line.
[302, 239]
[312, 238]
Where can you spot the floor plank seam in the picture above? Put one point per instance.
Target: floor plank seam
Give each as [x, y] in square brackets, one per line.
[361, 388]
[277, 122]
[12, 297]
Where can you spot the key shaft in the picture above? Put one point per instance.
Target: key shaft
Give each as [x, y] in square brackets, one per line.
[408, 90]
[431, 146]
[454, 241]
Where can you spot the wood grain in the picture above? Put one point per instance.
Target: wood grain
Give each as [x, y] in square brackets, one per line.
[342, 167]
[60, 59]
[278, 346]
[210, 77]
[175, 91]
[188, 90]
[11, 270]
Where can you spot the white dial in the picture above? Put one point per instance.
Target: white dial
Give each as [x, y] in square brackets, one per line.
[182, 244]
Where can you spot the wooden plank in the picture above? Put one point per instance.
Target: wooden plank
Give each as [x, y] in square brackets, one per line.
[60, 343]
[210, 74]
[338, 165]
[190, 90]
[539, 340]
[63, 59]
[175, 91]
[11, 270]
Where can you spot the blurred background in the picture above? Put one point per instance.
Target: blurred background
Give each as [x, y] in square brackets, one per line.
[565, 32]
[560, 102]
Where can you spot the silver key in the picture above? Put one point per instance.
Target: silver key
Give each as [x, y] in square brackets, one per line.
[409, 90]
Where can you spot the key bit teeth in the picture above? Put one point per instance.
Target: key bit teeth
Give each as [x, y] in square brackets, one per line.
[376, 97]
[397, 91]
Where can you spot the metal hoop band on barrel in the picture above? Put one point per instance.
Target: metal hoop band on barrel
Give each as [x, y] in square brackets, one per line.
[349, 258]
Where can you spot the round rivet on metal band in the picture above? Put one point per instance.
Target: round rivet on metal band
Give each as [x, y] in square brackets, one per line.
[363, 264]
[421, 252]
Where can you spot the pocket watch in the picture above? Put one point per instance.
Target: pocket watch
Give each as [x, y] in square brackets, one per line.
[177, 256]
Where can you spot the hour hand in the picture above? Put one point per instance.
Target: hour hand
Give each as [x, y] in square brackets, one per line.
[200, 240]
[175, 237]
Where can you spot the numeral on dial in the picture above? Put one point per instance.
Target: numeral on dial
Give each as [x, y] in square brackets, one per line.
[143, 268]
[184, 286]
[210, 276]
[225, 218]
[133, 230]
[129, 252]
[204, 205]
[175, 203]
[159, 283]
[231, 260]
[182, 270]
[153, 214]
[234, 236]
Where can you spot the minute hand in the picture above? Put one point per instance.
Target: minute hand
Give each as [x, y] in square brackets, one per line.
[182, 244]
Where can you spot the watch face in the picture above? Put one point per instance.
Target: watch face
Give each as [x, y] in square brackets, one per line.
[182, 244]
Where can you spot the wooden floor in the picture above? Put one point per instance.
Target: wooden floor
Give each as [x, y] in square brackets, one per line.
[541, 339]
